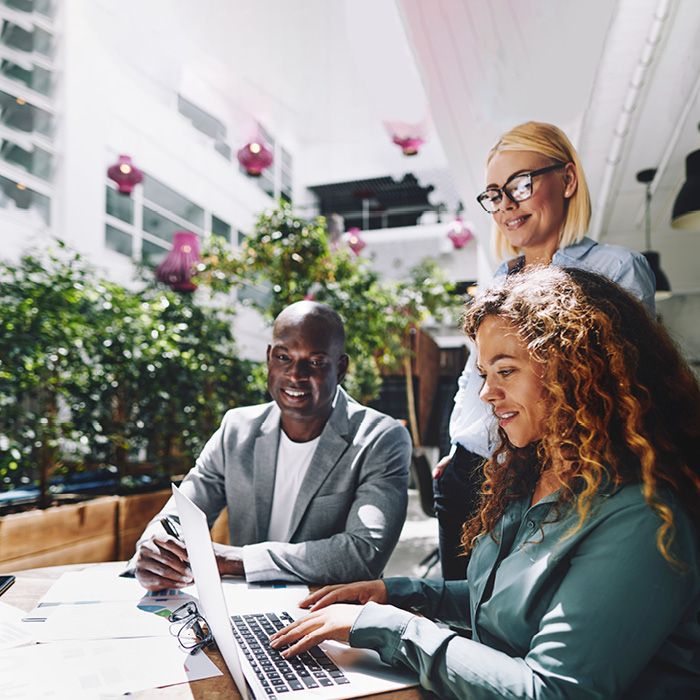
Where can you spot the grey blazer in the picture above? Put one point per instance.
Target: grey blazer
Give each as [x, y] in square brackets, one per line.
[350, 508]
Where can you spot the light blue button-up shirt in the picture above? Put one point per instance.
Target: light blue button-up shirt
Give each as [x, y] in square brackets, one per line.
[599, 614]
[471, 422]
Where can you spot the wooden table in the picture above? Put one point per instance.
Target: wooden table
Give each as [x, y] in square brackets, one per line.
[32, 584]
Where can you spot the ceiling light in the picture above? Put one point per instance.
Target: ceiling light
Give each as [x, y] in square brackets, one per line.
[663, 286]
[686, 210]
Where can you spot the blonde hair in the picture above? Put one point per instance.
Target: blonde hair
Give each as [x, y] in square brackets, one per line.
[551, 142]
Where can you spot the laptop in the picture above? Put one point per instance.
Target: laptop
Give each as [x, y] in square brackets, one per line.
[329, 671]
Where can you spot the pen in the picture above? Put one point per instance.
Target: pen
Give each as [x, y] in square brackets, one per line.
[171, 527]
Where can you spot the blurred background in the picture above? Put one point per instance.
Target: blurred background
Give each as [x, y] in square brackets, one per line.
[151, 137]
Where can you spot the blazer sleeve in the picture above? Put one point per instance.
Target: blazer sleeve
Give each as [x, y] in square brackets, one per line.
[372, 527]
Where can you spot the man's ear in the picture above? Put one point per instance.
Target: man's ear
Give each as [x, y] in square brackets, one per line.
[267, 353]
[570, 180]
[343, 362]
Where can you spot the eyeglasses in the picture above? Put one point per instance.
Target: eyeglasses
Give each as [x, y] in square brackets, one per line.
[518, 188]
[190, 628]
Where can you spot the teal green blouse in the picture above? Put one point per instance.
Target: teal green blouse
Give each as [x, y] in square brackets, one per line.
[596, 614]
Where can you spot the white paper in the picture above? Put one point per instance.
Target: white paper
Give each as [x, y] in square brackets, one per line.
[101, 583]
[12, 632]
[98, 669]
[111, 620]
[242, 597]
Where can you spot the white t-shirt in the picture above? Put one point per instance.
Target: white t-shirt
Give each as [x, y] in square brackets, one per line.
[293, 460]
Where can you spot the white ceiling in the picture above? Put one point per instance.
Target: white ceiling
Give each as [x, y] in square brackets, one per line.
[622, 78]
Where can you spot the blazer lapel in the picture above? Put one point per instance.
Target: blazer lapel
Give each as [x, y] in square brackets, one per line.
[264, 466]
[330, 449]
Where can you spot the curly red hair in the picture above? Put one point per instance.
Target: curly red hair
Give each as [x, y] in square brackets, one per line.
[623, 405]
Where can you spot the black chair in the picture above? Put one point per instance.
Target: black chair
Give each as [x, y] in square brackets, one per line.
[423, 479]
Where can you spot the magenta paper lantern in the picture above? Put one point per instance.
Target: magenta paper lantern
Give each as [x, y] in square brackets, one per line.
[125, 174]
[179, 265]
[409, 144]
[255, 157]
[409, 137]
[459, 233]
[355, 242]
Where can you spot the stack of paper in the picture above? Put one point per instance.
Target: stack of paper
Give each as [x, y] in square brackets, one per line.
[106, 637]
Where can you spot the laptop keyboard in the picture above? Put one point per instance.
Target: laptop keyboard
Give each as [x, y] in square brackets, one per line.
[312, 669]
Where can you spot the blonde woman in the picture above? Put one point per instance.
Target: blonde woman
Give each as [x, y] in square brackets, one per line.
[537, 196]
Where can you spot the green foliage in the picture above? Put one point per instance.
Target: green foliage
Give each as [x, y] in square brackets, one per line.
[291, 256]
[93, 373]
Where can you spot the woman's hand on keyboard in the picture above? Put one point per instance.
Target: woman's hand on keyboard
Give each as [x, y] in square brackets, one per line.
[334, 622]
[361, 592]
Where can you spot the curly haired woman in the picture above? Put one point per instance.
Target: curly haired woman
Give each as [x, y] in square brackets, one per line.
[584, 576]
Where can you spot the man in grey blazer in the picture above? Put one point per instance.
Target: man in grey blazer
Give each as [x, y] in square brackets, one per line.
[315, 484]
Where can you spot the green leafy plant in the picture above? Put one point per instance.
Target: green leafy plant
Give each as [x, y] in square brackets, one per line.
[290, 256]
[92, 373]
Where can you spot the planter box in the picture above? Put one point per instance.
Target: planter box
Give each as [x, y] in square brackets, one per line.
[69, 534]
[102, 529]
[135, 512]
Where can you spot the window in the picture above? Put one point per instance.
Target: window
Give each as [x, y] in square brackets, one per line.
[171, 201]
[207, 123]
[35, 161]
[147, 220]
[159, 225]
[220, 228]
[16, 195]
[26, 127]
[120, 206]
[151, 253]
[22, 116]
[36, 78]
[45, 7]
[286, 179]
[17, 37]
[119, 240]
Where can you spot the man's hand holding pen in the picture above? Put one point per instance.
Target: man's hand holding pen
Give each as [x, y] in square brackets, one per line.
[161, 561]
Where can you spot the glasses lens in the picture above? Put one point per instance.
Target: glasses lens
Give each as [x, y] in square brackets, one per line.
[520, 188]
[194, 633]
[183, 612]
[489, 200]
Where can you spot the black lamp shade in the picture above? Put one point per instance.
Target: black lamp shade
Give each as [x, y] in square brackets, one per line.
[686, 210]
[663, 286]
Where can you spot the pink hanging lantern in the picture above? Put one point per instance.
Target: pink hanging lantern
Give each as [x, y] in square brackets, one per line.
[255, 157]
[409, 137]
[459, 233]
[179, 265]
[355, 242]
[125, 174]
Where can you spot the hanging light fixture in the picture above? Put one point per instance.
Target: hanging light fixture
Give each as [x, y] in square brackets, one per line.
[663, 286]
[255, 157]
[459, 233]
[125, 174]
[409, 137]
[355, 242]
[179, 265]
[686, 210]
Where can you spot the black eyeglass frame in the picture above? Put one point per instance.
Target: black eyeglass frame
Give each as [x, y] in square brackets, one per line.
[504, 191]
[188, 617]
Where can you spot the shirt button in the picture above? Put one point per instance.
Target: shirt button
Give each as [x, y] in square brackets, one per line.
[531, 524]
